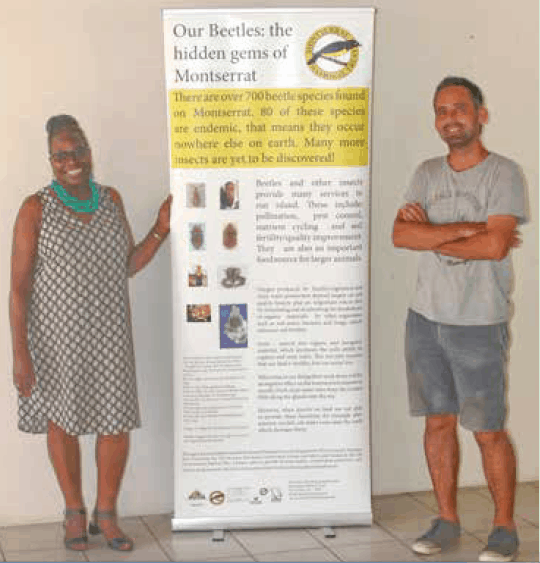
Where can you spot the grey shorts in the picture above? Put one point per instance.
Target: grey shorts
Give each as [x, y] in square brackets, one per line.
[457, 370]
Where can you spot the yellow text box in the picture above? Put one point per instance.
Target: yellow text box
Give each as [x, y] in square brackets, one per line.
[269, 128]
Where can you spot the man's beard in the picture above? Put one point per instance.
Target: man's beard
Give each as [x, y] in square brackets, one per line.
[459, 138]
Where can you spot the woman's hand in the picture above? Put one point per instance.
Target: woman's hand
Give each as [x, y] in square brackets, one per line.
[24, 378]
[146, 249]
[163, 223]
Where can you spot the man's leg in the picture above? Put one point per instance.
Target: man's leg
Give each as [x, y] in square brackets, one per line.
[432, 395]
[499, 463]
[478, 355]
[442, 454]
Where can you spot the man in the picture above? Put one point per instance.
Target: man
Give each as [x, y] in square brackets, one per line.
[227, 196]
[462, 211]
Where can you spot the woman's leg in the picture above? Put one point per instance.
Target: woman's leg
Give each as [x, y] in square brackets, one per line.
[111, 457]
[65, 457]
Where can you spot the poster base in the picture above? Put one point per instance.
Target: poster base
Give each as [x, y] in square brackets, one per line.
[278, 521]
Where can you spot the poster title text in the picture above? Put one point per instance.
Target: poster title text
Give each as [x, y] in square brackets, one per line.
[192, 50]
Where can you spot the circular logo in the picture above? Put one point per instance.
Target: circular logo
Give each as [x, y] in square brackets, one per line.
[332, 52]
[216, 497]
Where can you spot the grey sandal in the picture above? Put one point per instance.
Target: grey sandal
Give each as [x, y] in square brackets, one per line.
[70, 542]
[115, 543]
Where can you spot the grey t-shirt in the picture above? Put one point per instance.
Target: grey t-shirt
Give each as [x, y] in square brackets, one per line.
[452, 290]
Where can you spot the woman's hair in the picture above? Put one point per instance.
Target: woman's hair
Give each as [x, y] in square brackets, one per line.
[58, 123]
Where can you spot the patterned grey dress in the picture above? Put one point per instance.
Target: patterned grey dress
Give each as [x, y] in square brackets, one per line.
[79, 324]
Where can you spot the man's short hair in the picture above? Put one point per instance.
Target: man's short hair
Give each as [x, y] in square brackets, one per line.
[476, 93]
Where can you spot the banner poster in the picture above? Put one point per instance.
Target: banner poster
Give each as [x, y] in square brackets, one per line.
[269, 132]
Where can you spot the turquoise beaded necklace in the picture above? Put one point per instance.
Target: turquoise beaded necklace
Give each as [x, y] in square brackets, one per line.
[79, 205]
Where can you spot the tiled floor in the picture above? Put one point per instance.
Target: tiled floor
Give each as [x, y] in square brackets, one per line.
[397, 520]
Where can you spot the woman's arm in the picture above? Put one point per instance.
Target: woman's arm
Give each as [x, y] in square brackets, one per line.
[141, 254]
[23, 257]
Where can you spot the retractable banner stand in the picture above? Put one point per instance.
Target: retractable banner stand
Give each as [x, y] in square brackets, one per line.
[269, 128]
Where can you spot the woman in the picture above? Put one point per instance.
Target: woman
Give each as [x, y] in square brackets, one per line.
[73, 252]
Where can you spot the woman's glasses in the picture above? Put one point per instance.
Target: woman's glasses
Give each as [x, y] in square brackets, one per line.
[62, 156]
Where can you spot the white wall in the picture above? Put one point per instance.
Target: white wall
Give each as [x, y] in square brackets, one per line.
[101, 61]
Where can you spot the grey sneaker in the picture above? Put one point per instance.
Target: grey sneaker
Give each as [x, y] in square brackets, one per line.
[441, 536]
[502, 545]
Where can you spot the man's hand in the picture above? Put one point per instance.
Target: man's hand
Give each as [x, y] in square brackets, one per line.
[492, 243]
[412, 212]
[515, 241]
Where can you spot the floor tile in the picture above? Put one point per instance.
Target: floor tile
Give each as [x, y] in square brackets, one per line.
[466, 498]
[134, 526]
[399, 507]
[159, 524]
[386, 551]
[528, 542]
[269, 541]
[484, 492]
[407, 529]
[242, 559]
[347, 535]
[528, 551]
[45, 555]
[426, 498]
[144, 552]
[479, 523]
[300, 555]
[198, 546]
[32, 537]
[398, 520]
[527, 502]
[527, 532]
